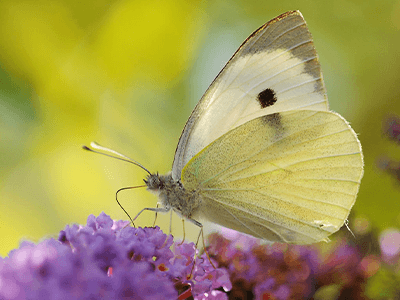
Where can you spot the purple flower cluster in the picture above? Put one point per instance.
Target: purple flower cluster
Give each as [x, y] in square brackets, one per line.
[107, 259]
[282, 271]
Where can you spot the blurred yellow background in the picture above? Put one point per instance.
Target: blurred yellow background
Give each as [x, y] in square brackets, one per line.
[128, 73]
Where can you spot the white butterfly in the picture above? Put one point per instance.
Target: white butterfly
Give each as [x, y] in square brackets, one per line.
[261, 153]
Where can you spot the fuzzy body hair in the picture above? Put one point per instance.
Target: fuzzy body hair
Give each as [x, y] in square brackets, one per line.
[174, 195]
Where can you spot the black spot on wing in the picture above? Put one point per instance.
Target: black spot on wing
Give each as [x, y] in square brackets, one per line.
[266, 98]
[274, 121]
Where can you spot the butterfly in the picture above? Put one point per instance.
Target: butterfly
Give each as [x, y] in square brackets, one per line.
[261, 152]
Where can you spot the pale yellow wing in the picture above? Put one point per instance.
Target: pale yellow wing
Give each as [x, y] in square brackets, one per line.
[276, 69]
[290, 177]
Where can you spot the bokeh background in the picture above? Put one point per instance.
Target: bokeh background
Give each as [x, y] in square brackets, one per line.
[128, 73]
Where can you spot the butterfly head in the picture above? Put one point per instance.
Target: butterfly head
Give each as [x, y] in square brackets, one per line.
[155, 182]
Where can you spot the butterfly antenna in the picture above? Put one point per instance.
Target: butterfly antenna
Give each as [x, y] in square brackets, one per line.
[117, 155]
[114, 154]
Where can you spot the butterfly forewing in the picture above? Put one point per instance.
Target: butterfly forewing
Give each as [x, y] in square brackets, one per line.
[276, 69]
[290, 176]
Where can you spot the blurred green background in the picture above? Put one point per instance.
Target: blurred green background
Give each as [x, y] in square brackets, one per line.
[128, 73]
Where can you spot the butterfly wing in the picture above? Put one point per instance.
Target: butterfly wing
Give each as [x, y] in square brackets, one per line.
[290, 176]
[276, 69]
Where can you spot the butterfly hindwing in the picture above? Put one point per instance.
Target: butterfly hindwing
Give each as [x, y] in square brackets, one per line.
[290, 176]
